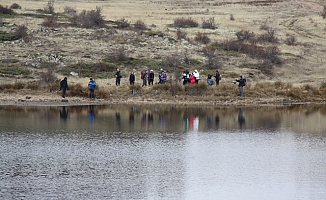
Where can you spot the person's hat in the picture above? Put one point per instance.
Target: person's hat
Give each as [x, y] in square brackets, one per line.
[196, 70]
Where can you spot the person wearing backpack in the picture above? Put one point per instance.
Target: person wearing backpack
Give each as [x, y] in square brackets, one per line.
[242, 82]
[64, 87]
[91, 87]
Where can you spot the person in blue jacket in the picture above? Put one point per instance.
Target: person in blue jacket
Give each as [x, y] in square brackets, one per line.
[91, 87]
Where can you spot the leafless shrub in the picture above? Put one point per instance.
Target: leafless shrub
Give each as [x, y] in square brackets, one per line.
[172, 61]
[244, 35]
[232, 17]
[122, 23]
[209, 24]
[89, 19]
[271, 54]
[213, 61]
[21, 32]
[323, 13]
[118, 55]
[69, 10]
[264, 26]
[291, 40]
[184, 23]
[270, 37]
[181, 34]
[140, 25]
[48, 76]
[6, 10]
[50, 7]
[202, 38]
[15, 6]
[50, 22]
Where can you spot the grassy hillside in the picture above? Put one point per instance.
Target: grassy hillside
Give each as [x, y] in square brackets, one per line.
[269, 41]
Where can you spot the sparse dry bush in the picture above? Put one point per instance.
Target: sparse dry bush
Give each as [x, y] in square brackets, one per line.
[78, 90]
[264, 26]
[48, 76]
[89, 19]
[232, 17]
[50, 22]
[161, 87]
[185, 23]
[172, 61]
[140, 25]
[323, 86]
[181, 34]
[50, 7]
[196, 89]
[6, 10]
[135, 89]
[15, 6]
[244, 35]
[21, 32]
[118, 55]
[18, 85]
[323, 13]
[268, 37]
[69, 10]
[32, 86]
[209, 24]
[202, 38]
[291, 40]
[213, 61]
[122, 23]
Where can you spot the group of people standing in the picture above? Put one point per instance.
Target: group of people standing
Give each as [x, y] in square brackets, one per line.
[147, 77]
[194, 77]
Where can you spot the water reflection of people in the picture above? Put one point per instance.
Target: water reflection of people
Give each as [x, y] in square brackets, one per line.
[241, 119]
[63, 113]
[118, 120]
[91, 113]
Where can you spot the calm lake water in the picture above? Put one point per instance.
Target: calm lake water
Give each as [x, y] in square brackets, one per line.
[163, 152]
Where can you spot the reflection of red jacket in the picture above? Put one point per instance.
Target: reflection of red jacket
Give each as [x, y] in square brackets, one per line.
[192, 78]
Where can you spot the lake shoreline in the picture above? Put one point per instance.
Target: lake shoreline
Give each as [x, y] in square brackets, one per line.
[55, 100]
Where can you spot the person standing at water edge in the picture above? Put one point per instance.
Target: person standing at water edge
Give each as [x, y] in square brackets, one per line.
[91, 86]
[118, 77]
[132, 78]
[64, 87]
[242, 82]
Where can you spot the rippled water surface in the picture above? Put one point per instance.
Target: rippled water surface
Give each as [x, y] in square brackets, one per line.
[162, 152]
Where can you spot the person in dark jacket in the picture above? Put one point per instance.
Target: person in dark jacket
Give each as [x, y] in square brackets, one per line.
[132, 78]
[151, 77]
[217, 77]
[118, 76]
[242, 82]
[64, 86]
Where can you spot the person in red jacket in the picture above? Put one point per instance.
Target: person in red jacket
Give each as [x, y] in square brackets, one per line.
[192, 78]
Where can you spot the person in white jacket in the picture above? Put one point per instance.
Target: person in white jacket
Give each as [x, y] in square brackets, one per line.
[196, 74]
